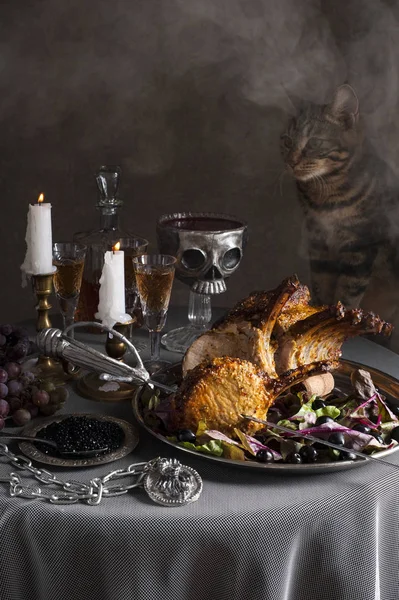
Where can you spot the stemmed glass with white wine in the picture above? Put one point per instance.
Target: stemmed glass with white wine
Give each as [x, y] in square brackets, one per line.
[69, 258]
[154, 279]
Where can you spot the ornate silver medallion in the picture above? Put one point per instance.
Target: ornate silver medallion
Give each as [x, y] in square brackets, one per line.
[170, 483]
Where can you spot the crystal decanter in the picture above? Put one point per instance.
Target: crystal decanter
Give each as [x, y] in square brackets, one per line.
[103, 239]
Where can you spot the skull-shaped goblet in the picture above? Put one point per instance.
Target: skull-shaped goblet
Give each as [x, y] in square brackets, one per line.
[208, 248]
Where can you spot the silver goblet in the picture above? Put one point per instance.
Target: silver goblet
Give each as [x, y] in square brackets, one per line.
[208, 248]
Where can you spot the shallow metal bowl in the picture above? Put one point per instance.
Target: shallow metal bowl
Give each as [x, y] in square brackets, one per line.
[129, 443]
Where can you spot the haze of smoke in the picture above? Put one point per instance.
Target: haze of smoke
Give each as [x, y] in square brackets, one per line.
[215, 59]
[373, 66]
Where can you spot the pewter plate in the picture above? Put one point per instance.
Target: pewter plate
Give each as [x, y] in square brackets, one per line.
[387, 385]
[29, 449]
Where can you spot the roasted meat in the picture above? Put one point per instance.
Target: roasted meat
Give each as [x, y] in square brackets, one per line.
[321, 335]
[246, 331]
[220, 391]
[285, 305]
[280, 330]
[296, 309]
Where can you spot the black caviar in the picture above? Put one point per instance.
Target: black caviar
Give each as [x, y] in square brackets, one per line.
[75, 434]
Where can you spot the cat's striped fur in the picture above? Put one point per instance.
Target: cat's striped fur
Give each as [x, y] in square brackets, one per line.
[348, 206]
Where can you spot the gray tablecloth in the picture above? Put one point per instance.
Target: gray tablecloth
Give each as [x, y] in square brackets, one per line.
[250, 536]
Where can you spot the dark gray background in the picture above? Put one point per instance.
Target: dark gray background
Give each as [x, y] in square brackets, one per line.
[189, 97]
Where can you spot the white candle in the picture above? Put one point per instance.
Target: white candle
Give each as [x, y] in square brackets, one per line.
[39, 243]
[111, 307]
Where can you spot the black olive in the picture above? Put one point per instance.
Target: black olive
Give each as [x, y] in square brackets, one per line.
[308, 454]
[322, 420]
[361, 428]
[318, 403]
[264, 455]
[293, 458]
[186, 435]
[377, 436]
[347, 455]
[337, 438]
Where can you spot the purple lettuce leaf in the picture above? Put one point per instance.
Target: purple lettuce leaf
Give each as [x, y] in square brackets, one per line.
[360, 441]
[375, 406]
[217, 435]
[252, 445]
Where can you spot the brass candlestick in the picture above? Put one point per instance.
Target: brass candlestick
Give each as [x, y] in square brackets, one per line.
[47, 368]
[91, 386]
[114, 346]
[42, 288]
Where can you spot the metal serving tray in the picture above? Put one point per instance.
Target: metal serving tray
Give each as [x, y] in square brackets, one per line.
[386, 384]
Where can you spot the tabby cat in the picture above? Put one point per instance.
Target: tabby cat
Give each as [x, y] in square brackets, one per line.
[348, 204]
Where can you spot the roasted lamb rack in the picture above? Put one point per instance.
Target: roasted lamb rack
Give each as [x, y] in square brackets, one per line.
[320, 336]
[280, 330]
[218, 392]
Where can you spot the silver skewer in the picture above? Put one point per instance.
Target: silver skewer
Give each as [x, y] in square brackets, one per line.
[297, 433]
[151, 382]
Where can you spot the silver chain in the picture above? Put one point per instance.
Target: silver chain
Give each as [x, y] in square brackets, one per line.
[70, 492]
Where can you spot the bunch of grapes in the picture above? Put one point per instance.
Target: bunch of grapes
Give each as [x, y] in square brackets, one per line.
[22, 395]
[14, 343]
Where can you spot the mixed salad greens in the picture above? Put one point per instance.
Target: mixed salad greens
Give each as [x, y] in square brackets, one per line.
[361, 421]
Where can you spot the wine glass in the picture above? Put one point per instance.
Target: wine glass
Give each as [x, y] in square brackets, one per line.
[154, 278]
[132, 246]
[69, 258]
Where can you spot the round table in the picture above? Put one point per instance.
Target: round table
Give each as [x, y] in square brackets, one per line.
[250, 535]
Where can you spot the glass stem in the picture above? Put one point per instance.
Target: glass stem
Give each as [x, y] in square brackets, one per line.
[155, 342]
[199, 310]
[68, 308]
[67, 322]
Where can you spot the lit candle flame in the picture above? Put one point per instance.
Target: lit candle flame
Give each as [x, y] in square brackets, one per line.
[40, 198]
[117, 247]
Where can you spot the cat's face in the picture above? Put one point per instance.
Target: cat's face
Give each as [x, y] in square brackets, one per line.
[321, 140]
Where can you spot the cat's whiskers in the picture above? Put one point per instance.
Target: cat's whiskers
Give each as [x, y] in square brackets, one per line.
[324, 185]
[320, 181]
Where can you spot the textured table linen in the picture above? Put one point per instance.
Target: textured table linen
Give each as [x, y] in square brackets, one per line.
[250, 536]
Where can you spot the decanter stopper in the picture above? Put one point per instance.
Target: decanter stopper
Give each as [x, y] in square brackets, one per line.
[108, 178]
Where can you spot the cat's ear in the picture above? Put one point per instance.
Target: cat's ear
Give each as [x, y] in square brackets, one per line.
[344, 107]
